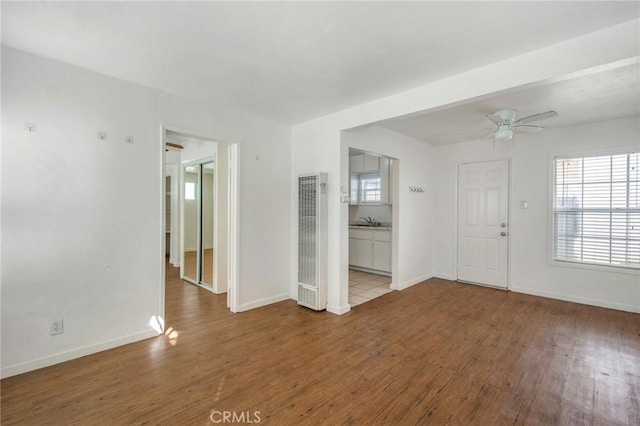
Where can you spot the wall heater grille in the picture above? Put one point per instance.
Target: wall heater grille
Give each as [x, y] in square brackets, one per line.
[312, 241]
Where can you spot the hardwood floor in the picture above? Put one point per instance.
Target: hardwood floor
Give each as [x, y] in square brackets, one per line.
[438, 352]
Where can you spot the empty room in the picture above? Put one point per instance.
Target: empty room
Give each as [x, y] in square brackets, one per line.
[313, 212]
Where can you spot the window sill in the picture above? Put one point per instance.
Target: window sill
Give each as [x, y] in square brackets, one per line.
[595, 267]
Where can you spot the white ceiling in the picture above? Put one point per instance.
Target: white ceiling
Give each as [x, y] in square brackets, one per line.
[293, 61]
[588, 97]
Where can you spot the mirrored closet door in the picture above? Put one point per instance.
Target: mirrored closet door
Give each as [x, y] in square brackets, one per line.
[198, 222]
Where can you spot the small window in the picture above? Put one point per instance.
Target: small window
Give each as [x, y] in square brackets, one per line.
[596, 210]
[189, 191]
[370, 188]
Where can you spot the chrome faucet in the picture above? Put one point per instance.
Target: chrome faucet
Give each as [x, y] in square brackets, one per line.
[370, 222]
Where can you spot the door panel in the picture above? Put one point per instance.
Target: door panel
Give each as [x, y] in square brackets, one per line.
[483, 210]
[190, 217]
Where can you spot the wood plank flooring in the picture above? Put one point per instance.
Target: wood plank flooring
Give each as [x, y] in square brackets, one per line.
[437, 353]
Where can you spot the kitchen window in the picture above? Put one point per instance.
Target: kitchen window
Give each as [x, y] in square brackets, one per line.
[370, 188]
[596, 210]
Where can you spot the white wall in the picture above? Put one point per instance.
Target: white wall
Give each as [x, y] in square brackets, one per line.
[316, 144]
[82, 218]
[529, 235]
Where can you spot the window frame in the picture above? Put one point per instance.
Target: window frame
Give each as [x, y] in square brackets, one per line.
[361, 192]
[553, 157]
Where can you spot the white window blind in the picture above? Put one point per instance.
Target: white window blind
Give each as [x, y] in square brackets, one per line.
[596, 210]
[370, 188]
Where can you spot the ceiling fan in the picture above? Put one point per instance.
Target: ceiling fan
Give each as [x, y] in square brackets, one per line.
[508, 124]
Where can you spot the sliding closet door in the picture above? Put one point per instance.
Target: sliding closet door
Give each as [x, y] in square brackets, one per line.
[191, 219]
[207, 236]
[198, 223]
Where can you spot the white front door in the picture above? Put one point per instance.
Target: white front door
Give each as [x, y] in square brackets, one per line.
[483, 228]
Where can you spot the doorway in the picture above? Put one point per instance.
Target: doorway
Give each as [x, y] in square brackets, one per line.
[483, 223]
[371, 209]
[215, 254]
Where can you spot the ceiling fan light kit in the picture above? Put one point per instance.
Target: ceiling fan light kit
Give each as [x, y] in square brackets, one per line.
[503, 133]
[507, 125]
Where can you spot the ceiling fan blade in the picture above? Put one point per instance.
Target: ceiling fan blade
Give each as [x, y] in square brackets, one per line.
[536, 117]
[496, 118]
[524, 128]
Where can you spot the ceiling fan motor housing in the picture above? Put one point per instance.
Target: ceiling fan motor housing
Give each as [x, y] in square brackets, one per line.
[507, 115]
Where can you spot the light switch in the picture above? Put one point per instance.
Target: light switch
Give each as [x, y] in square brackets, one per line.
[524, 204]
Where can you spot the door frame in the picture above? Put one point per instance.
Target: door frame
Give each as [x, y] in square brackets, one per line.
[233, 220]
[457, 205]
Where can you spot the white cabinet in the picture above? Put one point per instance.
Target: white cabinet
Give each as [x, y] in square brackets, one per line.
[381, 256]
[354, 198]
[364, 163]
[370, 248]
[385, 180]
[364, 253]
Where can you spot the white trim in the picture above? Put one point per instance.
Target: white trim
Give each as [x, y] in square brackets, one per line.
[263, 302]
[626, 270]
[448, 277]
[47, 361]
[338, 310]
[233, 237]
[574, 299]
[370, 271]
[409, 283]
[163, 220]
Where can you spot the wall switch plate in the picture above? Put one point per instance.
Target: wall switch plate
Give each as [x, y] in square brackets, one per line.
[30, 127]
[129, 139]
[102, 136]
[524, 205]
[56, 326]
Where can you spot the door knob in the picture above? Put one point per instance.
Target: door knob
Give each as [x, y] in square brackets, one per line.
[504, 234]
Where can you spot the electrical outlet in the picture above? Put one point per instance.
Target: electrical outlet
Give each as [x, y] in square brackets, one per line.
[56, 326]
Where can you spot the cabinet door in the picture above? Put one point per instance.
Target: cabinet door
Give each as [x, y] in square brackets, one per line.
[353, 253]
[354, 197]
[382, 255]
[356, 163]
[371, 163]
[385, 181]
[364, 253]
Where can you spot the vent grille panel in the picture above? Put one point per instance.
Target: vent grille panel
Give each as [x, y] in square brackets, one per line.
[307, 297]
[307, 230]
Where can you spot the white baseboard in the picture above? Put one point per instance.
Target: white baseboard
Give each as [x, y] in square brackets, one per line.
[445, 277]
[262, 302]
[576, 299]
[47, 361]
[409, 283]
[338, 310]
